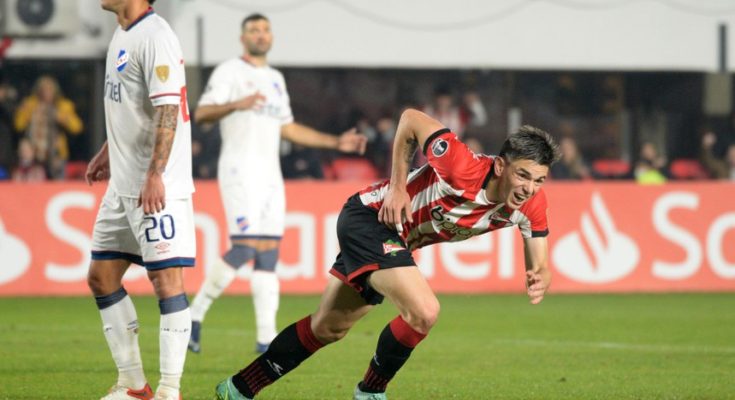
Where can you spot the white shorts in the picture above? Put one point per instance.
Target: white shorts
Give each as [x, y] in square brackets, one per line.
[252, 211]
[156, 241]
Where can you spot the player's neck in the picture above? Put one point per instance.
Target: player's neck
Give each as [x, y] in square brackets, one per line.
[491, 190]
[128, 16]
[258, 61]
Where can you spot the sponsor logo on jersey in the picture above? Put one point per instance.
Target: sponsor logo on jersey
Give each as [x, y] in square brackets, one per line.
[162, 72]
[113, 90]
[391, 247]
[439, 147]
[278, 88]
[242, 223]
[122, 60]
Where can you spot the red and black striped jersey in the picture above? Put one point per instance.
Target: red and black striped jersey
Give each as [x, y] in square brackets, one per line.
[448, 199]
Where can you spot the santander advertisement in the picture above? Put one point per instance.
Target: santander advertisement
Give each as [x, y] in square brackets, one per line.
[605, 237]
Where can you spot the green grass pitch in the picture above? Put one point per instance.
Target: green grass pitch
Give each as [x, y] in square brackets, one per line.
[669, 346]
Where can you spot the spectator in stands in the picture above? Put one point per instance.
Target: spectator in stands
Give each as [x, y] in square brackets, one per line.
[716, 167]
[7, 97]
[650, 168]
[46, 117]
[381, 150]
[456, 116]
[28, 168]
[572, 165]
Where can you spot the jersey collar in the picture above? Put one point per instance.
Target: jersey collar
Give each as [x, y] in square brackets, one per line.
[143, 16]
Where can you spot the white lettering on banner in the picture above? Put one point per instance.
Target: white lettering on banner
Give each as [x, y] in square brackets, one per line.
[72, 236]
[305, 225]
[331, 243]
[506, 241]
[449, 254]
[427, 261]
[667, 229]
[606, 263]
[210, 240]
[15, 255]
[715, 247]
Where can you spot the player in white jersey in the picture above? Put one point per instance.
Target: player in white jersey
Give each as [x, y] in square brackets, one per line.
[457, 195]
[146, 215]
[251, 103]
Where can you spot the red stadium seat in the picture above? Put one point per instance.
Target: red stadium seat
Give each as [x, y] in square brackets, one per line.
[683, 168]
[353, 169]
[75, 170]
[611, 168]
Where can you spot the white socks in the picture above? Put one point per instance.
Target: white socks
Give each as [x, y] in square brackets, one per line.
[174, 337]
[217, 279]
[265, 288]
[120, 325]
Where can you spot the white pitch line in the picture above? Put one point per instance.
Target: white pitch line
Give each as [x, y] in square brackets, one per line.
[656, 348]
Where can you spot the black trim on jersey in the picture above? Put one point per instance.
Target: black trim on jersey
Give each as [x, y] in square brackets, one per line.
[433, 136]
[142, 17]
[255, 237]
[543, 233]
[490, 174]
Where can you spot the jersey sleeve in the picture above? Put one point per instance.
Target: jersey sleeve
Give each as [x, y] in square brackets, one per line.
[535, 223]
[163, 68]
[454, 162]
[285, 115]
[218, 90]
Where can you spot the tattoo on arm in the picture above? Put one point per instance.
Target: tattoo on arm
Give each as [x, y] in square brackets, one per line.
[165, 119]
[410, 149]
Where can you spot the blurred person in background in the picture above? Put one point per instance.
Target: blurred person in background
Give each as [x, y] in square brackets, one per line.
[46, 118]
[571, 166]
[146, 216]
[650, 167]
[27, 168]
[716, 167]
[8, 96]
[457, 195]
[250, 101]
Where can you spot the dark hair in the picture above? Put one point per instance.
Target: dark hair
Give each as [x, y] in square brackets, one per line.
[151, 2]
[530, 143]
[252, 17]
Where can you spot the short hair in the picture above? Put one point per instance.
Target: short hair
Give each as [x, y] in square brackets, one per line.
[151, 2]
[253, 17]
[531, 143]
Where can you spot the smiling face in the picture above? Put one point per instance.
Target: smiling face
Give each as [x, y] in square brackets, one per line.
[518, 181]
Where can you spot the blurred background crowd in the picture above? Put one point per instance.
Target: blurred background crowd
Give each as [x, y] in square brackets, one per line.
[650, 127]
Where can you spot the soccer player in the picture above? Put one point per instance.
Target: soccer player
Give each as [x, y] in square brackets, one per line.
[146, 215]
[457, 195]
[251, 103]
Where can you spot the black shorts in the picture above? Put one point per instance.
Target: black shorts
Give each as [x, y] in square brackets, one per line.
[366, 245]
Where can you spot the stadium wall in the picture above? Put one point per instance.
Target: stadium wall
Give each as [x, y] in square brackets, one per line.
[605, 237]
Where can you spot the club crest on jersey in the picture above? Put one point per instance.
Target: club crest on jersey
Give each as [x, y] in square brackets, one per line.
[391, 247]
[122, 60]
[242, 223]
[162, 72]
[278, 88]
[439, 147]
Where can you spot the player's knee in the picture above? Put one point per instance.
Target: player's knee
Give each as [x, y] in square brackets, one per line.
[266, 260]
[424, 317]
[238, 255]
[166, 283]
[330, 333]
[98, 284]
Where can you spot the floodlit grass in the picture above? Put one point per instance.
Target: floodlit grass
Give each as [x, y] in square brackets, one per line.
[673, 346]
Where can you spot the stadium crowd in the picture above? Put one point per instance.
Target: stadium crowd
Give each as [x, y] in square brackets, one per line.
[45, 136]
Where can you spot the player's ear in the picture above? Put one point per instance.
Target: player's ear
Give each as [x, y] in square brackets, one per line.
[499, 165]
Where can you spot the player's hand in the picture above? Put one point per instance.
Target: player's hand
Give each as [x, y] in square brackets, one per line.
[351, 141]
[152, 195]
[98, 169]
[254, 101]
[396, 208]
[536, 284]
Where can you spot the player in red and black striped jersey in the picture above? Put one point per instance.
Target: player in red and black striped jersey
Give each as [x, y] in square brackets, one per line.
[456, 195]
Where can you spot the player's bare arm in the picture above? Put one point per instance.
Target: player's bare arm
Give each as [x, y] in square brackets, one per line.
[215, 112]
[350, 141]
[414, 128]
[153, 193]
[99, 168]
[538, 275]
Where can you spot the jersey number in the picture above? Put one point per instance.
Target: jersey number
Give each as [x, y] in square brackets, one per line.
[165, 225]
[184, 105]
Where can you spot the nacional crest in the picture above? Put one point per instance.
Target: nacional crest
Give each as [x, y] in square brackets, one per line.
[162, 72]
